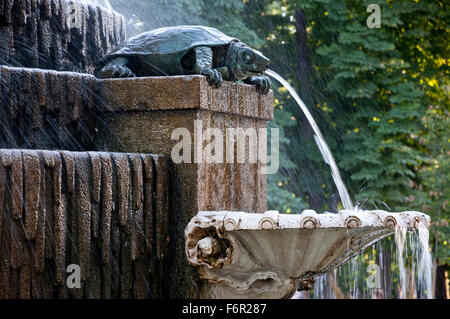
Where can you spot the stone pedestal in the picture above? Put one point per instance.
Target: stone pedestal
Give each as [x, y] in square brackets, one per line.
[143, 114]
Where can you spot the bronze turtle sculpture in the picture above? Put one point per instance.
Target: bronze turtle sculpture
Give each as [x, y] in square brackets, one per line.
[184, 50]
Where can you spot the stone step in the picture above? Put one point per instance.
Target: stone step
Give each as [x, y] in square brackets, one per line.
[57, 34]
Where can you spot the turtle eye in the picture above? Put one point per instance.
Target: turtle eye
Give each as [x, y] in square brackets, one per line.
[249, 57]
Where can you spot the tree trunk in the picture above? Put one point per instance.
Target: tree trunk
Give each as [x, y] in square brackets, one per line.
[440, 289]
[384, 257]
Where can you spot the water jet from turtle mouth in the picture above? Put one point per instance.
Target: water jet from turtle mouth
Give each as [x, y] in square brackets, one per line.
[323, 146]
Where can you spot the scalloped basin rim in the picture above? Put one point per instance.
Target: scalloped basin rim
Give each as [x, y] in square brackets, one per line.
[310, 219]
[243, 255]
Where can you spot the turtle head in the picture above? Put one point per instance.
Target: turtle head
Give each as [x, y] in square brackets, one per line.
[245, 62]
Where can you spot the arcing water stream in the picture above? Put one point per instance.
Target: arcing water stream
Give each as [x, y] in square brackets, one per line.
[323, 146]
[420, 254]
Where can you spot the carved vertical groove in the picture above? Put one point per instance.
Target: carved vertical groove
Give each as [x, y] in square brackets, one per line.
[148, 202]
[60, 221]
[16, 184]
[162, 203]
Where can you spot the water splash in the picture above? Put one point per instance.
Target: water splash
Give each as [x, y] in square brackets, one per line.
[400, 242]
[421, 264]
[323, 146]
[323, 286]
[408, 275]
[100, 3]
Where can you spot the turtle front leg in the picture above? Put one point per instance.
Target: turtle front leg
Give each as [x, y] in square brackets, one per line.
[261, 82]
[116, 68]
[203, 65]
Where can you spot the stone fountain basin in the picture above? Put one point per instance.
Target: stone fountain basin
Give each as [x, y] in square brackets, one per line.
[242, 255]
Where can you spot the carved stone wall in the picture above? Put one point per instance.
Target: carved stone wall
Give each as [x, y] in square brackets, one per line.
[142, 115]
[106, 212]
[57, 34]
[48, 109]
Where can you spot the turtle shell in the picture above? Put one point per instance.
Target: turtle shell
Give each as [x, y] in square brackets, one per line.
[171, 40]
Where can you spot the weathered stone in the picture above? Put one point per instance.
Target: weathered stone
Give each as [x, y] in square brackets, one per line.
[143, 120]
[162, 207]
[60, 220]
[41, 221]
[32, 190]
[115, 198]
[16, 184]
[143, 113]
[57, 34]
[148, 203]
[123, 183]
[107, 198]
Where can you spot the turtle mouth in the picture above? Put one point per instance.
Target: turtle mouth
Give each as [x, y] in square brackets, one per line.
[252, 71]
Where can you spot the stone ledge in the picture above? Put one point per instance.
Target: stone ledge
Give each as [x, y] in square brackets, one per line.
[36, 34]
[186, 92]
